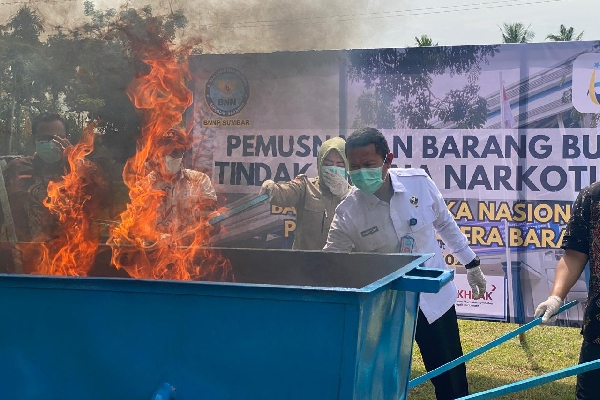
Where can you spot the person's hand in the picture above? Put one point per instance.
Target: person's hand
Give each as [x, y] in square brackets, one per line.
[267, 188]
[215, 229]
[62, 142]
[548, 308]
[336, 184]
[477, 282]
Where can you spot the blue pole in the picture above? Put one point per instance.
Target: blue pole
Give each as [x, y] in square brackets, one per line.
[518, 304]
[474, 353]
[535, 381]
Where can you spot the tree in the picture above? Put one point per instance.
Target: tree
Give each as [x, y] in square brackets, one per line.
[101, 61]
[565, 35]
[22, 62]
[424, 41]
[26, 25]
[516, 33]
[398, 86]
[82, 72]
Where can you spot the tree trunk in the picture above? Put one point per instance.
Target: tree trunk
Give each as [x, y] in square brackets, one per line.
[12, 116]
[18, 132]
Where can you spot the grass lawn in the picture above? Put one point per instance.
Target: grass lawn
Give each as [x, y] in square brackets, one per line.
[545, 349]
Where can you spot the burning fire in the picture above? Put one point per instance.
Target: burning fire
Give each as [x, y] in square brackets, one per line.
[73, 200]
[138, 246]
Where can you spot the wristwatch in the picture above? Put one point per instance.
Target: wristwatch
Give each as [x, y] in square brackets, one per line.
[474, 263]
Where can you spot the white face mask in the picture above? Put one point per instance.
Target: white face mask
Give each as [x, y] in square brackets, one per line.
[173, 165]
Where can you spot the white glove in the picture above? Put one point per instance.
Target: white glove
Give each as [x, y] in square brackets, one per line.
[477, 282]
[267, 188]
[338, 185]
[548, 308]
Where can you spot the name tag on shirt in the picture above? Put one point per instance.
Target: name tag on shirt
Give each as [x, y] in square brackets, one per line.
[407, 243]
[369, 231]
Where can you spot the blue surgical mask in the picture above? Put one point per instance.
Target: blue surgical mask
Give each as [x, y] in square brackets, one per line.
[49, 151]
[368, 180]
[341, 171]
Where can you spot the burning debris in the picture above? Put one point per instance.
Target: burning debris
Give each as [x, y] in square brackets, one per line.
[142, 245]
[73, 200]
[164, 232]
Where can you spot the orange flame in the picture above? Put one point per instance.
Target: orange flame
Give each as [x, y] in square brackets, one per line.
[73, 199]
[138, 245]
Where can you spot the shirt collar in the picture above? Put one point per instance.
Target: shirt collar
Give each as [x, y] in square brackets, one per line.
[396, 184]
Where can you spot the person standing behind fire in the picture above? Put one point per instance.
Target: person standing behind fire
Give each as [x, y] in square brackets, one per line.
[315, 199]
[189, 193]
[27, 179]
[400, 210]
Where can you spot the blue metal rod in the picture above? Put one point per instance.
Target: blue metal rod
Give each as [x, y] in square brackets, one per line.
[474, 353]
[535, 381]
[241, 208]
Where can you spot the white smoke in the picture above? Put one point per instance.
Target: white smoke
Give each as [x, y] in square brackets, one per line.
[242, 26]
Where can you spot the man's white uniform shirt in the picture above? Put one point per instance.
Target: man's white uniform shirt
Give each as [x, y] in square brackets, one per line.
[366, 224]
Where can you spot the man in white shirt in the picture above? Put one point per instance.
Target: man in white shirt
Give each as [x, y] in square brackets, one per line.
[189, 195]
[400, 210]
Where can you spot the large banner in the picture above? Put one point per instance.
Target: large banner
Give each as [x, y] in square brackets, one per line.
[509, 133]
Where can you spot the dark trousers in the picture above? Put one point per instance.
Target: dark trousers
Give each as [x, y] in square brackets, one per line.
[588, 383]
[439, 343]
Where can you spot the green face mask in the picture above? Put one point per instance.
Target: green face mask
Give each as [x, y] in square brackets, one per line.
[48, 151]
[367, 180]
[341, 171]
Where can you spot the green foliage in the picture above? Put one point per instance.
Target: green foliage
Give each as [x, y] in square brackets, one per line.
[424, 41]
[565, 35]
[25, 25]
[82, 73]
[544, 349]
[398, 86]
[516, 33]
[22, 66]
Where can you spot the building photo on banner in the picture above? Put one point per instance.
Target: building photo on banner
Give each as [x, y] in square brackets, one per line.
[509, 133]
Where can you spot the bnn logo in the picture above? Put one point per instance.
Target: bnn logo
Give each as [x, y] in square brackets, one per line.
[227, 102]
[227, 92]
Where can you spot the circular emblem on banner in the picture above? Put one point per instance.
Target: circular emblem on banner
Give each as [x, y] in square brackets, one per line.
[227, 92]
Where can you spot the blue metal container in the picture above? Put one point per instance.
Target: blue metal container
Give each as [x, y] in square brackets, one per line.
[295, 325]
